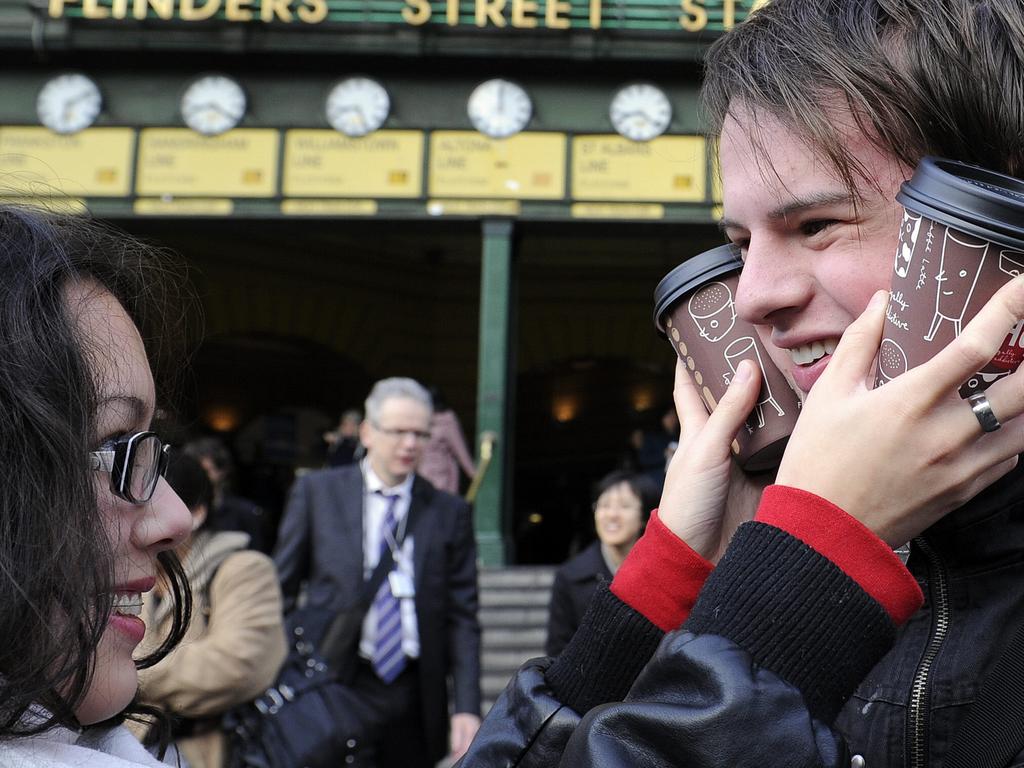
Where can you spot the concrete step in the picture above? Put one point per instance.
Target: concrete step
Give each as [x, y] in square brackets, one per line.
[517, 577]
[495, 638]
[514, 617]
[519, 598]
[505, 660]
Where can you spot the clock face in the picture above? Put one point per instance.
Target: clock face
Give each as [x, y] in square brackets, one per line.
[357, 106]
[640, 111]
[213, 104]
[498, 108]
[69, 103]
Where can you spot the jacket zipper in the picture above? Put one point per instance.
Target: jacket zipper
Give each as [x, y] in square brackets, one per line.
[920, 689]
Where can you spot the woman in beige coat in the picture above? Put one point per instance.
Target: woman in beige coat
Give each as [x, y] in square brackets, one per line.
[235, 644]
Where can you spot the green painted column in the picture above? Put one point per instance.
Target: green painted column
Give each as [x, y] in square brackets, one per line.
[495, 395]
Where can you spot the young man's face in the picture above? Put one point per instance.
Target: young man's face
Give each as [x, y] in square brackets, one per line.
[813, 253]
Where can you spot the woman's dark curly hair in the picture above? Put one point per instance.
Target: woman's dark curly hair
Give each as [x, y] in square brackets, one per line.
[56, 563]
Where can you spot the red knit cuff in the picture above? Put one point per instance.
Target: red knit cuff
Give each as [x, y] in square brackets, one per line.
[661, 576]
[847, 542]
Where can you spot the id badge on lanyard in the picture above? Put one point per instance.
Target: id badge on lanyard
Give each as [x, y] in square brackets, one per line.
[401, 584]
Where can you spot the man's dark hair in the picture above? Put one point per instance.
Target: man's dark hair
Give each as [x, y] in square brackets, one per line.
[921, 77]
[56, 563]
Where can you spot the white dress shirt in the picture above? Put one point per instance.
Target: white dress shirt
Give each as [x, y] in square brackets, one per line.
[375, 506]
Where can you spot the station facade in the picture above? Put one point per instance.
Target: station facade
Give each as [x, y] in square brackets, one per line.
[481, 194]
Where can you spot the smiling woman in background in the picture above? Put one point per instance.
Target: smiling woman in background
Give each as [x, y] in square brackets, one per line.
[622, 504]
[86, 520]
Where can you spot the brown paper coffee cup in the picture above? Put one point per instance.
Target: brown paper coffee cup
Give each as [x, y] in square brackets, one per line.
[961, 239]
[695, 309]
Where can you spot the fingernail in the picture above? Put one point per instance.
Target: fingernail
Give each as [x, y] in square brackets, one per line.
[880, 297]
[743, 371]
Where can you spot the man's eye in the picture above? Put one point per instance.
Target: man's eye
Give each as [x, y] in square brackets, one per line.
[815, 226]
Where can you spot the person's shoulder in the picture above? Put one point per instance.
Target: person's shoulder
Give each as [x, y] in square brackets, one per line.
[586, 565]
[330, 475]
[435, 497]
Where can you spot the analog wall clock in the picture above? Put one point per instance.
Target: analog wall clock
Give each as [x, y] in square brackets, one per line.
[499, 108]
[640, 111]
[213, 104]
[69, 103]
[357, 106]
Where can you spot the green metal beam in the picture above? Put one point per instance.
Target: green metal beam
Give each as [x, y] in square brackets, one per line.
[494, 389]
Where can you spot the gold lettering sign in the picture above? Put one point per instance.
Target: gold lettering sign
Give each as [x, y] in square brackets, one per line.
[92, 163]
[687, 15]
[323, 163]
[668, 169]
[177, 161]
[525, 166]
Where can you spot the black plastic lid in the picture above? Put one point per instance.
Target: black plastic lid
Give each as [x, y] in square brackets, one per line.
[692, 273]
[969, 198]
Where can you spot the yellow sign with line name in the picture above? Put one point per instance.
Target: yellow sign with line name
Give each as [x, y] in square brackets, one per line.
[324, 163]
[37, 162]
[184, 206]
[324, 207]
[178, 161]
[669, 169]
[466, 164]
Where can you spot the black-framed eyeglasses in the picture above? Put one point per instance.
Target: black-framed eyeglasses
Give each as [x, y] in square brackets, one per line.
[135, 463]
[399, 434]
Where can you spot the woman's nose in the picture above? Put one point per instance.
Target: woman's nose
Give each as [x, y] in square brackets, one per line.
[166, 522]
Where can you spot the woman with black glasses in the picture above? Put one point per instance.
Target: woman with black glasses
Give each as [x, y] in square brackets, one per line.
[86, 521]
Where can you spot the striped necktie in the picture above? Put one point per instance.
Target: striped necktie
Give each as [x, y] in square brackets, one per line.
[388, 657]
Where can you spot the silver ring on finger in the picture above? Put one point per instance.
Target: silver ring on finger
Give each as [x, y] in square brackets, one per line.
[983, 412]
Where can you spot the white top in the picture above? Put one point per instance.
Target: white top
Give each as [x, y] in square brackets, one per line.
[63, 748]
[375, 506]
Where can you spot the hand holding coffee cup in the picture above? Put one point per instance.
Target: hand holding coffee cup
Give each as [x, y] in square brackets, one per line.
[695, 309]
[962, 237]
[911, 451]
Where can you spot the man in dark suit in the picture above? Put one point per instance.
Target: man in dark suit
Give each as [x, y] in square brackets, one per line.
[421, 627]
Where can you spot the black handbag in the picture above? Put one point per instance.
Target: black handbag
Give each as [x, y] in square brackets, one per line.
[309, 718]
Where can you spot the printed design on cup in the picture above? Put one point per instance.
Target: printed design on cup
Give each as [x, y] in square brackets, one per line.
[981, 381]
[713, 311]
[1011, 262]
[892, 360]
[909, 231]
[959, 268]
[745, 348]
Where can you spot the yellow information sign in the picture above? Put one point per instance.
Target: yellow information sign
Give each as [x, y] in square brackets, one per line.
[473, 207]
[184, 206]
[36, 162]
[465, 164]
[178, 161]
[668, 169]
[320, 207]
[323, 163]
[617, 211]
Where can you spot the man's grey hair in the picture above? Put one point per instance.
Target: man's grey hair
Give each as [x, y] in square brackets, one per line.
[397, 386]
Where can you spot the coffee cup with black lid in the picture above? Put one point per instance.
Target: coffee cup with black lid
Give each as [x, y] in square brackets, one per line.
[695, 309]
[961, 239]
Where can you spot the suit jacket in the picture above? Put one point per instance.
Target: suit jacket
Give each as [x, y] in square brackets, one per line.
[321, 542]
[575, 583]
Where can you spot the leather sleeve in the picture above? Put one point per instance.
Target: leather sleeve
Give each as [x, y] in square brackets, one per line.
[777, 641]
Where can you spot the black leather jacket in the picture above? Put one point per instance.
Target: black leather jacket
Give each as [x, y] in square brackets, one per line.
[784, 661]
